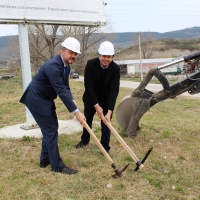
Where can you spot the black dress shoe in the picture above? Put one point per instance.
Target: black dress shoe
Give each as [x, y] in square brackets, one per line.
[67, 170]
[80, 145]
[44, 164]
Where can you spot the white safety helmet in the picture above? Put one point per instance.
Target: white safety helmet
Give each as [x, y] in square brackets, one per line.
[72, 44]
[106, 48]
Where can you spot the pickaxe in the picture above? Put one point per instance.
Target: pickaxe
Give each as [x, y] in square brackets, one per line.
[118, 173]
[139, 164]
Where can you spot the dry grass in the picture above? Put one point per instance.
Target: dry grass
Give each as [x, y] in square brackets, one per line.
[172, 172]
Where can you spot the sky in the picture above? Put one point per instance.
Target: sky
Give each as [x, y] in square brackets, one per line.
[153, 15]
[143, 15]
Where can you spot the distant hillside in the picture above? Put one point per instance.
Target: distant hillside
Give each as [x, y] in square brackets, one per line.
[124, 42]
[179, 34]
[182, 34]
[126, 37]
[4, 40]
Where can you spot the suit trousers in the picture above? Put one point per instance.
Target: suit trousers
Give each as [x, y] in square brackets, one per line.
[105, 131]
[49, 129]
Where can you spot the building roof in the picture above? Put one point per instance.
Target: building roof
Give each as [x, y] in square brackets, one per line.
[165, 60]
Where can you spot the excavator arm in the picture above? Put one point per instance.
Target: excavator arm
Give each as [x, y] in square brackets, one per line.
[131, 109]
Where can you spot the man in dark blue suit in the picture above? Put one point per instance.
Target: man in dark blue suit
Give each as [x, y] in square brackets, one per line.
[52, 81]
[102, 80]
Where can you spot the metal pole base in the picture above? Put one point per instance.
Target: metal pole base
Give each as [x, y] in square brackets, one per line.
[26, 127]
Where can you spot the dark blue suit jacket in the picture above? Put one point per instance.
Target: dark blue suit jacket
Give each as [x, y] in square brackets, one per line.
[46, 85]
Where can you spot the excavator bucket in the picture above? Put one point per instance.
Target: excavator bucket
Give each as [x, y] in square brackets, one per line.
[132, 108]
[129, 112]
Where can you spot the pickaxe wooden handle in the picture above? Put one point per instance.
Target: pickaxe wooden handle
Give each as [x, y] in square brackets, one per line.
[118, 173]
[127, 148]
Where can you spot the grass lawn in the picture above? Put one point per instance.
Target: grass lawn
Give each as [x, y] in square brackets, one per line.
[172, 171]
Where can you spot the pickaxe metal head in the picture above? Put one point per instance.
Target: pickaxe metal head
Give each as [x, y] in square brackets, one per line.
[118, 173]
[139, 163]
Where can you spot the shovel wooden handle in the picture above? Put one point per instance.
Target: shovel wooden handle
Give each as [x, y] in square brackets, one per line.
[99, 144]
[126, 147]
[118, 173]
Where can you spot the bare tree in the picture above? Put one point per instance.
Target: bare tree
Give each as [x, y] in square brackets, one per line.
[14, 54]
[88, 40]
[44, 42]
[89, 37]
[148, 46]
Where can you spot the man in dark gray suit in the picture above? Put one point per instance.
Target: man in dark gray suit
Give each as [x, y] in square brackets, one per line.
[102, 80]
[52, 81]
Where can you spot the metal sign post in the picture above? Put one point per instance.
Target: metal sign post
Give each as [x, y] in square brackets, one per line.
[47, 12]
[26, 69]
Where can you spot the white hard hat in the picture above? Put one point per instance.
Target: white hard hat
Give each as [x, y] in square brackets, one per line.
[72, 44]
[106, 48]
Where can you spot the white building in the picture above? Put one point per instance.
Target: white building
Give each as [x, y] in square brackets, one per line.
[131, 67]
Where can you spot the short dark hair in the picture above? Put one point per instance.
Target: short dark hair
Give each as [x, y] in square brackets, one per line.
[63, 48]
[101, 55]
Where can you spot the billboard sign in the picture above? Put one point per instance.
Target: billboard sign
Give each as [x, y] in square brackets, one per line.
[64, 12]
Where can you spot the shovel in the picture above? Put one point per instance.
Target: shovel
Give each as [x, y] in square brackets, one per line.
[139, 164]
[118, 173]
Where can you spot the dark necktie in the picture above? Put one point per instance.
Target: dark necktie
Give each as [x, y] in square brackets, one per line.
[66, 70]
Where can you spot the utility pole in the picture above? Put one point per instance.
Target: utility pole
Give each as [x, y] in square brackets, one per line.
[140, 57]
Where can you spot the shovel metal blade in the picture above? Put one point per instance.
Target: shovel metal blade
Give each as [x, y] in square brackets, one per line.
[129, 112]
